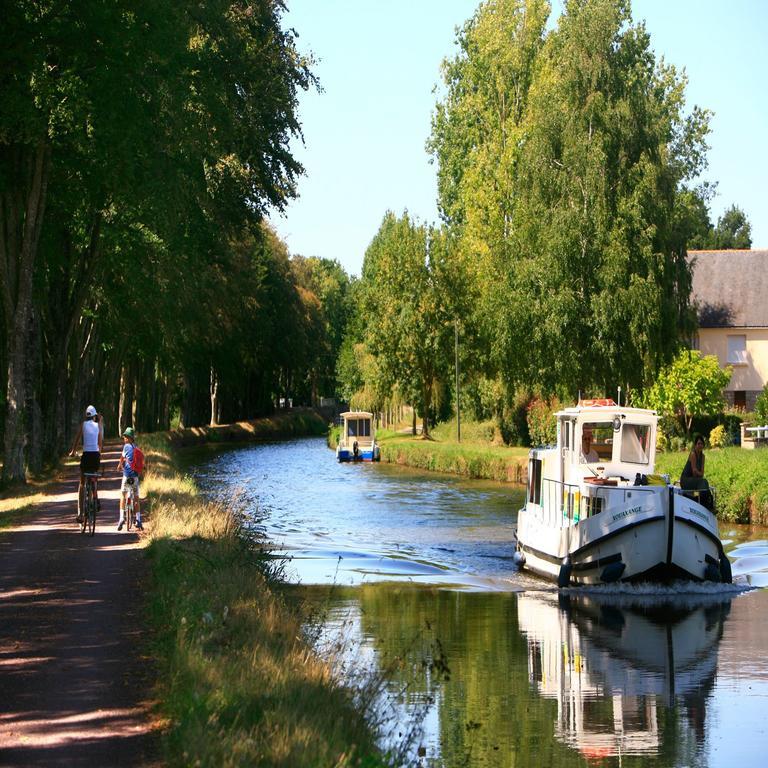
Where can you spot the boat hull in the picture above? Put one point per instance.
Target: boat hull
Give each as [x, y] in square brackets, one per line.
[664, 537]
[368, 455]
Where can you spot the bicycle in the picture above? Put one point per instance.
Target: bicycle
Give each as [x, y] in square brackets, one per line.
[88, 518]
[130, 506]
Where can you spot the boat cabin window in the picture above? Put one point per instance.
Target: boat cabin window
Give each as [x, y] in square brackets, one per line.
[359, 428]
[565, 427]
[635, 442]
[534, 481]
[596, 441]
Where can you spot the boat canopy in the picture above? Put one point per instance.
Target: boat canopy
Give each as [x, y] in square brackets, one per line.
[357, 424]
[599, 432]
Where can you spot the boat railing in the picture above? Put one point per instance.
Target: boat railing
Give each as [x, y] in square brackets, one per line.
[564, 503]
[561, 500]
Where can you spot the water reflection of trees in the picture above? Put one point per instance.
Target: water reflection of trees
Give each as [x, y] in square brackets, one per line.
[537, 681]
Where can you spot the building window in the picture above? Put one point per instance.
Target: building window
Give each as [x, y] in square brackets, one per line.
[737, 350]
[740, 400]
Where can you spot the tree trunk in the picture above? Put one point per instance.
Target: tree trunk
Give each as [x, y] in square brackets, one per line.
[35, 433]
[21, 221]
[427, 399]
[214, 392]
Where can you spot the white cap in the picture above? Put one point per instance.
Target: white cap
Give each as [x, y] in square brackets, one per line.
[90, 411]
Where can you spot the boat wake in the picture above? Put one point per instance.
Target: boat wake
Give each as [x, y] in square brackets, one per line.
[685, 594]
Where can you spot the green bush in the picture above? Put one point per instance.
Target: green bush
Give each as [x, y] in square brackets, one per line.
[761, 406]
[542, 425]
[718, 437]
[512, 419]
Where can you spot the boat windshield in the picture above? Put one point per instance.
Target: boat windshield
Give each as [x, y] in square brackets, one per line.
[358, 427]
[635, 443]
[596, 441]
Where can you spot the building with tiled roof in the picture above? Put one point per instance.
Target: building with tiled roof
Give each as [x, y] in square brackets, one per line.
[730, 293]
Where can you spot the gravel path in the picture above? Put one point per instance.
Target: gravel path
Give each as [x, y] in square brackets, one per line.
[75, 678]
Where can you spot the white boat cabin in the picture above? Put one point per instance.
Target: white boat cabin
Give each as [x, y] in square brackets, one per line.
[598, 444]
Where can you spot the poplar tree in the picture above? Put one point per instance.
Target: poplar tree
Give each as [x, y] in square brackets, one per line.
[413, 296]
[569, 206]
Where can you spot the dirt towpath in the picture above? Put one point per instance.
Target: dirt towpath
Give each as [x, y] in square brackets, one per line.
[75, 679]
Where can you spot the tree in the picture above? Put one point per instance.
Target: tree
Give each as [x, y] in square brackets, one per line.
[691, 385]
[326, 280]
[573, 214]
[413, 297]
[733, 230]
[761, 406]
[693, 217]
[158, 135]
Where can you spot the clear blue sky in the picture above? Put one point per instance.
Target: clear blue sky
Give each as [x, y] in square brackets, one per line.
[378, 63]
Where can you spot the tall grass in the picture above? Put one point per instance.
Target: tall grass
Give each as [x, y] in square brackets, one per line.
[739, 477]
[240, 685]
[476, 460]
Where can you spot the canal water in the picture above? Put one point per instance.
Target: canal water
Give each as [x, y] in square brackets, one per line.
[464, 661]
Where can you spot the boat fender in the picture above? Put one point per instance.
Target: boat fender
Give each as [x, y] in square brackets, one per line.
[355, 449]
[518, 558]
[564, 577]
[712, 572]
[726, 574]
[612, 572]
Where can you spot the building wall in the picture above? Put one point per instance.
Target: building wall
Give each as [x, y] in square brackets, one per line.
[749, 377]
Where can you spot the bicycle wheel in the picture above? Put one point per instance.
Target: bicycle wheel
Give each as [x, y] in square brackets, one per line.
[92, 516]
[85, 506]
[129, 514]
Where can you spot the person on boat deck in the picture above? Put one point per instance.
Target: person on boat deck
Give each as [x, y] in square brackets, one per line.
[588, 453]
[692, 477]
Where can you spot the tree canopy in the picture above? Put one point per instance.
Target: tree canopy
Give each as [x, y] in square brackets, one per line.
[141, 145]
[567, 163]
[691, 385]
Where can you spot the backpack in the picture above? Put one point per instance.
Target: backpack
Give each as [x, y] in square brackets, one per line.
[137, 465]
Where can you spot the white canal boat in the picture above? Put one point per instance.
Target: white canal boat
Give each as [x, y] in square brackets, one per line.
[357, 441]
[596, 513]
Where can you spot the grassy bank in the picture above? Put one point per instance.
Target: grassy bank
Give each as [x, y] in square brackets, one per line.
[295, 423]
[476, 456]
[239, 685]
[739, 477]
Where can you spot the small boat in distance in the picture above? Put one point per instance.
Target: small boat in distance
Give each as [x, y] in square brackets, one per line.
[595, 512]
[357, 441]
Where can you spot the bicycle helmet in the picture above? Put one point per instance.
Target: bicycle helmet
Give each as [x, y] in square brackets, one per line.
[128, 432]
[90, 411]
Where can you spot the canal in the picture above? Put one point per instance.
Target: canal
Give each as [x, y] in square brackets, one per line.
[464, 661]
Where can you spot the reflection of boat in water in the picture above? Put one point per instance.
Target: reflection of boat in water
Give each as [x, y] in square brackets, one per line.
[612, 667]
[596, 513]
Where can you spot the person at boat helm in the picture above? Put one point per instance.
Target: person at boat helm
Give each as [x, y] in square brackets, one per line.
[692, 477]
[588, 453]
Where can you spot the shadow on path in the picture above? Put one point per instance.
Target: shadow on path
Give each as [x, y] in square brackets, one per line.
[74, 680]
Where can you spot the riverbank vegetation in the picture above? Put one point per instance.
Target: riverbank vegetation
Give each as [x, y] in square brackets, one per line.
[473, 458]
[238, 684]
[739, 477]
[141, 147]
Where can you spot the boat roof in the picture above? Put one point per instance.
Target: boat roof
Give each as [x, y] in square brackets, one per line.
[605, 408]
[357, 414]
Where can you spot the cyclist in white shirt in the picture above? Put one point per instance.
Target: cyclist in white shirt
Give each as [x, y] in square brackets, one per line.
[91, 433]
